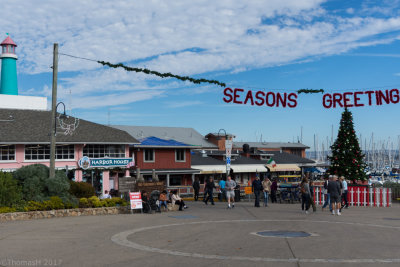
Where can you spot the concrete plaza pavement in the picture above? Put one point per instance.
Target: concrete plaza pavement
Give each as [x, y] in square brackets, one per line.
[207, 236]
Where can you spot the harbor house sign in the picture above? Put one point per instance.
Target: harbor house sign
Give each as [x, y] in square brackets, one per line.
[86, 162]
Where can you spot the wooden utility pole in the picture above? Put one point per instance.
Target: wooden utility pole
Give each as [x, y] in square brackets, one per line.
[53, 114]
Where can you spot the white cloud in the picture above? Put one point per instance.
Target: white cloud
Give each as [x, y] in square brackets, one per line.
[113, 99]
[181, 104]
[230, 36]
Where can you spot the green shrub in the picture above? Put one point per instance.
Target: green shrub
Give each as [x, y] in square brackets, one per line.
[7, 209]
[73, 203]
[33, 178]
[58, 186]
[37, 186]
[108, 202]
[119, 202]
[81, 189]
[10, 192]
[96, 202]
[34, 206]
[54, 203]
[83, 203]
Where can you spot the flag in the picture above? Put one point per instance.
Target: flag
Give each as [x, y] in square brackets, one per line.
[272, 162]
[131, 163]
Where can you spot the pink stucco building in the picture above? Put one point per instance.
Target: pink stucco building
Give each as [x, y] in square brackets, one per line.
[25, 140]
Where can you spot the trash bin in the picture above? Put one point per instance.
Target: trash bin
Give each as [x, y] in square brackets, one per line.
[237, 193]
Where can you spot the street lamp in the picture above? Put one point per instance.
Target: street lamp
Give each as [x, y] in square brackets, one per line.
[228, 150]
[52, 171]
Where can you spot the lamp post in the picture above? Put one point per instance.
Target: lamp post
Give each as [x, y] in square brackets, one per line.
[228, 152]
[53, 112]
[53, 142]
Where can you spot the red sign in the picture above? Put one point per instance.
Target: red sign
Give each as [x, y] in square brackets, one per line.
[329, 100]
[260, 98]
[353, 99]
[136, 200]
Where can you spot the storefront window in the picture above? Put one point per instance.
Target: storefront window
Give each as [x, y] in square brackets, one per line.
[102, 151]
[42, 152]
[7, 152]
[175, 180]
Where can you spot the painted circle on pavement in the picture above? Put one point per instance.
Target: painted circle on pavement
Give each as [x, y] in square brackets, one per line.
[122, 239]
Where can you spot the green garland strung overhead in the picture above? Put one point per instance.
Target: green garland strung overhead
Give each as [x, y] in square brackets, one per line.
[162, 75]
[310, 91]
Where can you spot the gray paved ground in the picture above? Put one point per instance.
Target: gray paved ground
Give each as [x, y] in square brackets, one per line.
[210, 236]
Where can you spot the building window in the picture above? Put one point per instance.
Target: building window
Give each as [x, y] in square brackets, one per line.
[7, 152]
[42, 152]
[148, 155]
[175, 180]
[103, 151]
[180, 155]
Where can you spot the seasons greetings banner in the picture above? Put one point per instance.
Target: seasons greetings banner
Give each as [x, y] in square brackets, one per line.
[329, 100]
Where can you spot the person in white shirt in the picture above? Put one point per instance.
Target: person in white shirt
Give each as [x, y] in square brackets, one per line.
[230, 193]
[105, 195]
[176, 199]
[344, 194]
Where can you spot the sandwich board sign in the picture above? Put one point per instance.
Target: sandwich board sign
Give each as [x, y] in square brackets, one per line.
[136, 200]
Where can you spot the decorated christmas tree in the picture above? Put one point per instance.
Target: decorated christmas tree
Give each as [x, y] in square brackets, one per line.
[347, 159]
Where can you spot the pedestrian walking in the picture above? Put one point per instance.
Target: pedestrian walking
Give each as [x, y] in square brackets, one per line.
[274, 188]
[344, 192]
[266, 189]
[326, 194]
[334, 192]
[311, 185]
[208, 191]
[230, 193]
[196, 188]
[222, 194]
[305, 195]
[257, 187]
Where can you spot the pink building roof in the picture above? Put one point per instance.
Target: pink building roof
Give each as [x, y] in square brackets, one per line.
[8, 41]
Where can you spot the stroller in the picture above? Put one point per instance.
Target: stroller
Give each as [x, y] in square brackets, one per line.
[154, 201]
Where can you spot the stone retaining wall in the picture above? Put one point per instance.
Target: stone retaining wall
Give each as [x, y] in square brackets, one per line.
[18, 216]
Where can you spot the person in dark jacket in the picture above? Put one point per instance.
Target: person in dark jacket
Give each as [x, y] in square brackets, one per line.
[274, 188]
[208, 190]
[326, 194]
[196, 188]
[334, 192]
[311, 185]
[305, 195]
[257, 188]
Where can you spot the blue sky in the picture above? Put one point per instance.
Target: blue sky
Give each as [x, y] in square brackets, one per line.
[276, 45]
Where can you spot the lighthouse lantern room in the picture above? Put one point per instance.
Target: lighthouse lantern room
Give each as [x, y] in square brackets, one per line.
[8, 67]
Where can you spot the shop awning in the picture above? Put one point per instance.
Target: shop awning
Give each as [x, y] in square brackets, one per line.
[248, 168]
[210, 169]
[283, 167]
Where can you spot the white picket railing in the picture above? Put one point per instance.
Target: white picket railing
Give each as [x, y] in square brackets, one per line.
[361, 196]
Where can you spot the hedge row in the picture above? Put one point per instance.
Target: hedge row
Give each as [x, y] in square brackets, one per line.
[56, 203]
[95, 202]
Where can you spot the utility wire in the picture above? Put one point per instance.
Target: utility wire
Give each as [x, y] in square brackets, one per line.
[198, 81]
[152, 72]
